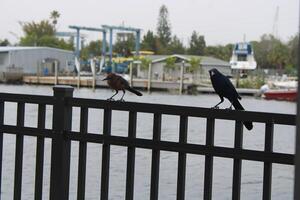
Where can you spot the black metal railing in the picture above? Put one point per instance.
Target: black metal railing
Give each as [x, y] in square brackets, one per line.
[62, 135]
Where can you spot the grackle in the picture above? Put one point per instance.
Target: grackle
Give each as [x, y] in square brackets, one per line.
[117, 83]
[224, 88]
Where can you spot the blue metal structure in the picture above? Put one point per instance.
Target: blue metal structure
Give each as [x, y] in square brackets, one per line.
[78, 28]
[122, 28]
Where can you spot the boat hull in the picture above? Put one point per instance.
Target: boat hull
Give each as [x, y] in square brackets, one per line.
[283, 95]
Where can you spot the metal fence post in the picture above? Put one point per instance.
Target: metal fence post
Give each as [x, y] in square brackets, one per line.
[60, 153]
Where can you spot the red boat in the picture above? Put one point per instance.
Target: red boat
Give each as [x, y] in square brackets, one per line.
[285, 95]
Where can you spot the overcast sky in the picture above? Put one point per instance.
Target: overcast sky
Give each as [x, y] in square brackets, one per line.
[220, 21]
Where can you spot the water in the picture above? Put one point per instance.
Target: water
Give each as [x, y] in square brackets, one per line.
[252, 172]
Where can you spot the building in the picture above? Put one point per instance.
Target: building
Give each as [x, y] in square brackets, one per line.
[34, 60]
[158, 70]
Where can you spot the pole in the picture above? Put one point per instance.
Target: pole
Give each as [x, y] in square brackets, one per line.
[56, 72]
[130, 74]
[181, 78]
[149, 77]
[297, 155]
[61, 146]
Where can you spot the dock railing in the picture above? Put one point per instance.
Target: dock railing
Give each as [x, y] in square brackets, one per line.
[61, 135]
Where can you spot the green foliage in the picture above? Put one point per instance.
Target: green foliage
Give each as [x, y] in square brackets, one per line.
[176, 46]
[221, 52]
[149, 42]
[194, 65]
[93, 49]
[43, 34]
[163, 26]
[251, 82]
[124, 45]
[170, 63]
[145, 62]
[4, 42]
[54, 15]
[197, 44]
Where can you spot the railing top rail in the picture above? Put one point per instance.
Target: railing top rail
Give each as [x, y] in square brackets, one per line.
[27, 98]
[263, 117]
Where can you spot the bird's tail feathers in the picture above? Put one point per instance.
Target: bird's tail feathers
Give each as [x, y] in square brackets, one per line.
[238, 106]
[134, 91]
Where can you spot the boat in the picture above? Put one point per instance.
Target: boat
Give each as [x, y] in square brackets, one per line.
[281, 94]
[243, 57]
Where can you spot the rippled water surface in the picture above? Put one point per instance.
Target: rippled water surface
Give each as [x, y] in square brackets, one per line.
[252, 172]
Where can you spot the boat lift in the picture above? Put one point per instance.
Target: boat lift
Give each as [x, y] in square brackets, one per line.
[122, 28]
[77, 50]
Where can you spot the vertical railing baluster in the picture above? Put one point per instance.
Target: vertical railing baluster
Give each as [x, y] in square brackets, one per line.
[1, 142]
[237, 163]
[82, 154]
[105, 155]
[61, 146]
[155, 158]
[131, 157]
[182, 159]
[208, 174]
[19, 152]
[267, 181]
[39, 165]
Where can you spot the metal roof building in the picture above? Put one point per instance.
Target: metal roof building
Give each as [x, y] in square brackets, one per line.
[31, 60]
[206, 63]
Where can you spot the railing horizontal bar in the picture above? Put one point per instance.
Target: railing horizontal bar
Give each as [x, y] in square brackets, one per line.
[286, 119]
[26, 98]
[162, 145]
[28, 131]
[217, 151]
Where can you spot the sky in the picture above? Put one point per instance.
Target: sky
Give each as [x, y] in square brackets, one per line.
[220, 21]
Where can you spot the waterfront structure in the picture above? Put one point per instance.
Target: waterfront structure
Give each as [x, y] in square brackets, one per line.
[159, 62]
[34, 60]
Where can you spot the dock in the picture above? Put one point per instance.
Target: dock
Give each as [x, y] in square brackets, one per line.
[87, 81]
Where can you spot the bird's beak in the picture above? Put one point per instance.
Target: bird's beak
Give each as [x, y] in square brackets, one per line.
[105, 79]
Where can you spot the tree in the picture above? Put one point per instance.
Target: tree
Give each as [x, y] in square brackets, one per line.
[42, 34]
[54, 15]
[164, 27]
[170, 63]
[176, 46]
[149, 42]
[194, 65]
[124, 46]
[4, 42]
[219, 51]
[197, 44]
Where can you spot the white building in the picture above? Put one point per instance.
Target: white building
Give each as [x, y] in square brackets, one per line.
[33, 60]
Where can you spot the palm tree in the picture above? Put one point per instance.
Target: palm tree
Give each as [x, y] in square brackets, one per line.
[54, 15]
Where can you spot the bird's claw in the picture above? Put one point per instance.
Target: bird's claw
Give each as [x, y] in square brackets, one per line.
[215, 107]
[110, 99]
[121, 100]
[230, 108]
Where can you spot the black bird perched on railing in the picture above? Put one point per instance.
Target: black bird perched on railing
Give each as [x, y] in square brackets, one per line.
[224, 88]
[117, 83]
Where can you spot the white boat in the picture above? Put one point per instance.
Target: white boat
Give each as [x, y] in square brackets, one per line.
[243, 57]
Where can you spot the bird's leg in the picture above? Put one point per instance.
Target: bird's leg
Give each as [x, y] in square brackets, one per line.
[216, 106]
[230, 107]
[122, 96]
[111, 98]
